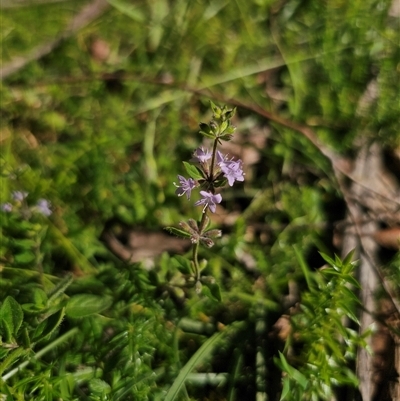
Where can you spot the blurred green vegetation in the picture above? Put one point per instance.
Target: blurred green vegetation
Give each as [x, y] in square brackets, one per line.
[100, 125]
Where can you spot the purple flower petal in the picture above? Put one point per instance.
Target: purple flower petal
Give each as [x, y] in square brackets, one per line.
[43, 207]
[220, 157]
[6, 207]
[232, 170]
[201, 156]
[185, 186]
[209, 200]
[19, 195]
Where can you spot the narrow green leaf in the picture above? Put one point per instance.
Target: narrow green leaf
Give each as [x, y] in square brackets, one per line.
[24, 258]
[226, 137]
[40, 353]
[338, 261]
[177, 232]
[335, 348]
[224, 126]
[351, 280]
[330, 272]
[349, 296]
[129, 10]
[60, 288]
[31, 308]
[99, 386]
[348, 258]
[182, 263]
[26, 244]
[208, 135]
[216, 110]
[49, 325]
[6, 331]
[235, 375]
[292, 372]
[285, 388]
[304, 267]
[284, 364]
[6, 391]
[193, 171]
[349, 313]
[300, 378]
[11, 313]
[11, 358]
[82, 305]
[206, 130]
[40, 298]
[199, 356]
[72, 251]
[255, 299]
[24, 338]
[327, 258]
[212, 291]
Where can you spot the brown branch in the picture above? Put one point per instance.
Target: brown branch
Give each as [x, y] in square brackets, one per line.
[87, 14]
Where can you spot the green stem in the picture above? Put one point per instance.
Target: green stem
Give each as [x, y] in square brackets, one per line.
[204, 216]
[40, 353]
[197, 244]
[195, 261]
[214, 152]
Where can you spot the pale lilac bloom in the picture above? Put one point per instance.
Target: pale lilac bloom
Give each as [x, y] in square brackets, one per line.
[43, 207]
[232, 171]
[201, 156]
[185, 186]
[209, 199]
[6, 207]
[19, 195]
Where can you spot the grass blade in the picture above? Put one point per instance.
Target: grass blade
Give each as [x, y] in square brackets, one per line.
[304, 267]
[199, 356]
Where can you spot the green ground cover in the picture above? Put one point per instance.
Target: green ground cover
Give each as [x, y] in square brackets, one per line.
[100, 126]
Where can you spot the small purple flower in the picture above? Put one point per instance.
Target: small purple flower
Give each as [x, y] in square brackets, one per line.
[19, 196]
[210, 200]
[185, 186]
[201, 156]
[43, 207]
[6, 207]
[232, 171]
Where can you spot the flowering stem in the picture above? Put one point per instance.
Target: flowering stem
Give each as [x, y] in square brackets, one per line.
[214, 152]
[208, 175]
[196, 261]
[196, 245]
[203, 217]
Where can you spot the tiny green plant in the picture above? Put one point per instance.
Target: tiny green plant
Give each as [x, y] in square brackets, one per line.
[32, 301]
[209, 171]
[327, 345]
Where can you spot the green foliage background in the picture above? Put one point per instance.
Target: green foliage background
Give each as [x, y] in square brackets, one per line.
[104, 139]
